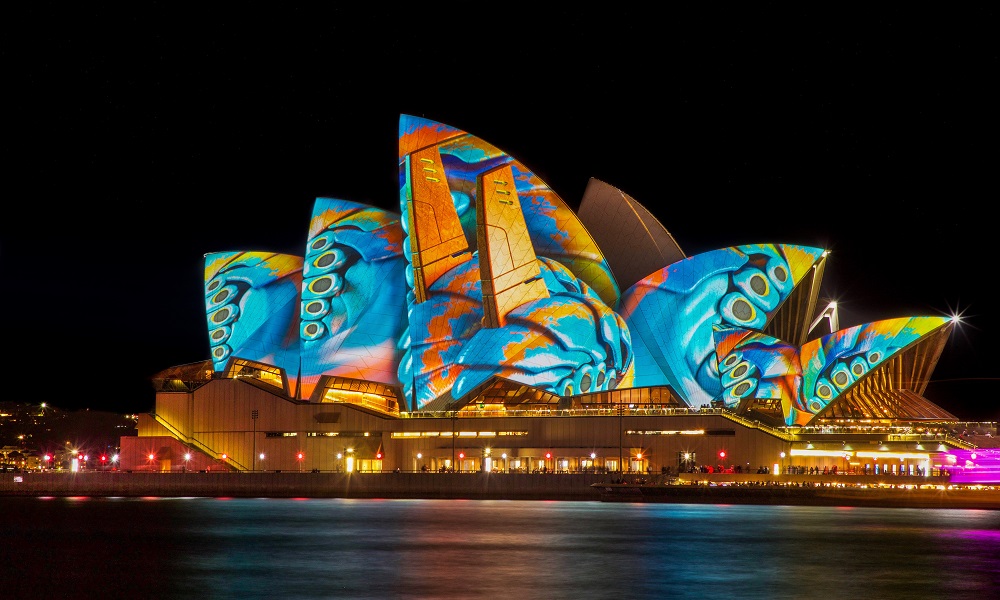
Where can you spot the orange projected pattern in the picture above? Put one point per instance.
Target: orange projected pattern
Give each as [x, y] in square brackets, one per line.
[556, 231]
[548, 328]
[507, 261]
[488, 273]
[569, 342]
[436, 237]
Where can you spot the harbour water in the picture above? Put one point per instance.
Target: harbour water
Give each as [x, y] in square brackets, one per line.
[82, 547]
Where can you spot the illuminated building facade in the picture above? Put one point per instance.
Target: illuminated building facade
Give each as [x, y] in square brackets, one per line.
[489, 326]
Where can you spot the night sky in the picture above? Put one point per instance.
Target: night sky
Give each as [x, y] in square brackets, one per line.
[136, 142]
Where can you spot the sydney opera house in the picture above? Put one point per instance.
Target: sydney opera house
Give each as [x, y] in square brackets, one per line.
[486, 326]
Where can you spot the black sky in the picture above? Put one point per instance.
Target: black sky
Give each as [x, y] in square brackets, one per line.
[138, 140]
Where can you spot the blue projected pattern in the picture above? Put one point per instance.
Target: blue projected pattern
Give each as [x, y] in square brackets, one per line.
[486, 272]
[675, 311]
[252, 303]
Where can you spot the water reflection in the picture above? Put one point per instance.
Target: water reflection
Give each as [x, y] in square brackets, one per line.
[335, 548]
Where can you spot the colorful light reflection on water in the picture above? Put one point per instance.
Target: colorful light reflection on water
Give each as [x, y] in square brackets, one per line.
[335, 548]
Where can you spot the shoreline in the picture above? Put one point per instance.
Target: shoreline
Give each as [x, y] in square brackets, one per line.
[872, 497]
[499, 486]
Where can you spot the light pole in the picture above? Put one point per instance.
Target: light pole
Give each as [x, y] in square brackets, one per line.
[621, 421]
[253, 417]
[454, 418]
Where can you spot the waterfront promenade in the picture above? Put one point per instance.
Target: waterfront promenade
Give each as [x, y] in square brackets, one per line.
[472, 486]
[912, 492]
